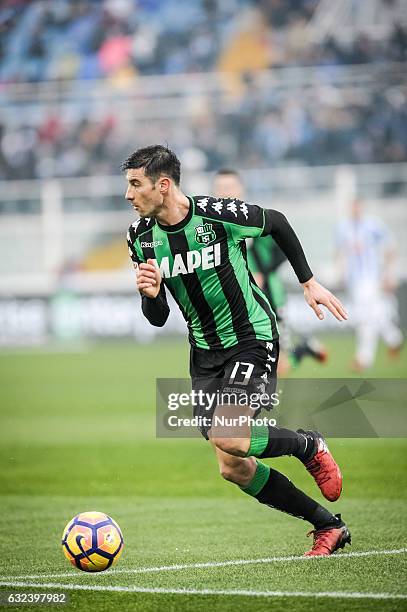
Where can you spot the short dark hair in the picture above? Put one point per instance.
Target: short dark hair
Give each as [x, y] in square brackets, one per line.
[156, 160]
[227, 171]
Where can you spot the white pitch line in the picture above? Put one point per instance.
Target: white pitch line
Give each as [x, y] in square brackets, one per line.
[208, 564]
[131, 589]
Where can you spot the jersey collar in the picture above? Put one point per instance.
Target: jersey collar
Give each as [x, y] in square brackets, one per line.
[181, 224]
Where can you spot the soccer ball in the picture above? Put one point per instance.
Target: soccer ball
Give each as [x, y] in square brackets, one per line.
[92, 541]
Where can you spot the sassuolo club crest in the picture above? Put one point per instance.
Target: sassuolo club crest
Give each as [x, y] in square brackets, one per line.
[204, 234]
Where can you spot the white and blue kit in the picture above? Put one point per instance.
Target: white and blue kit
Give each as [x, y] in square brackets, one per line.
[363, 243]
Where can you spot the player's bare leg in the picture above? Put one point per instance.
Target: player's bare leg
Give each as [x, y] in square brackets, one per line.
[232, 439]
[239, 470]
[266, 441]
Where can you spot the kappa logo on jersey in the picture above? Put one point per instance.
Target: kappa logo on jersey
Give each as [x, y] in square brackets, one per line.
[244, 210]
[186, 263]
[153, 244]
[231, 207]
[218, 206]
[203, 203]
[204, 234]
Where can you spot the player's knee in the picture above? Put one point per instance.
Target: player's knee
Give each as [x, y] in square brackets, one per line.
[228, 472]
[238, 470]
[234, 446]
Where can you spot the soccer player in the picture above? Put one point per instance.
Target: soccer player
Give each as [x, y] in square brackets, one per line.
[193, 246]
[367, 253]
[264, 257]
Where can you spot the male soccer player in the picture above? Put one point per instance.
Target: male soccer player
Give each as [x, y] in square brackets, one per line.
[264, 257]
[367, 254]
[193, 246]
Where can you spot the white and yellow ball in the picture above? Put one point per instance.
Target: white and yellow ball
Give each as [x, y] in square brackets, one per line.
[92, 541]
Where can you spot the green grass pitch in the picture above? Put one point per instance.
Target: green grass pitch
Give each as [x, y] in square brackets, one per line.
[78, 433]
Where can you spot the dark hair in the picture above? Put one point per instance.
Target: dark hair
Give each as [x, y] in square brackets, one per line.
[227, 171]
[156, 160]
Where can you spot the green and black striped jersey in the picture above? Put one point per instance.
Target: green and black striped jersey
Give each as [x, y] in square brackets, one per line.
[203, 264]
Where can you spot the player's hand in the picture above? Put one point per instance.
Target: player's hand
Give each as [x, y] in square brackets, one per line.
[316, 294]
[148, 279]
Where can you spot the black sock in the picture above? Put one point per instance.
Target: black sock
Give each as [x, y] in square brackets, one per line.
[283, 441]
[280, 493]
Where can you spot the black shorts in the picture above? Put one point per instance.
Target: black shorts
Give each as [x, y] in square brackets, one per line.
[249, 369]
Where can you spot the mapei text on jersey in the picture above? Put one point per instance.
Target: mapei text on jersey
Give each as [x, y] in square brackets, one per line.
[186, 263]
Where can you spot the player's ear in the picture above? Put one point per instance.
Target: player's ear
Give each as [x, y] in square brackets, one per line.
[164, 184]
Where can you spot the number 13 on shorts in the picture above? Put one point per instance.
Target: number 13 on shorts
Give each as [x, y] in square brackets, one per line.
[242, 370]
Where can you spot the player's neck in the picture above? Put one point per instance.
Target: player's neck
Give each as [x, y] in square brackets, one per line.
[175, 208]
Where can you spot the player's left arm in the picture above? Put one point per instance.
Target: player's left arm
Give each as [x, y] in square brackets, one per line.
[251, 221]
[315, 294]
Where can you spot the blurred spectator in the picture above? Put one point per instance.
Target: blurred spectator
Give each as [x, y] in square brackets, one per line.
[325, 126]
[58, 39]
[259, 125]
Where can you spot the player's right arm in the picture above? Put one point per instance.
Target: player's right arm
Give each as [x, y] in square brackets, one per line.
[148, 281]
[153, 301]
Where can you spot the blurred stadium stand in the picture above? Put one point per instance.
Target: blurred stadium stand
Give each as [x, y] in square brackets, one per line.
[307, 98]
[85, 39]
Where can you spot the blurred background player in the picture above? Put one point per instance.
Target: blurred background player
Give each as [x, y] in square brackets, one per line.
[264, 258]
[367, 254]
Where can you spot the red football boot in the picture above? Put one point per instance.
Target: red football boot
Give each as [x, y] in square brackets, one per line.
[324, 469]
[326, 541]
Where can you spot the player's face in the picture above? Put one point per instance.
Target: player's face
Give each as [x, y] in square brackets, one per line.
[144, 195]
[228, 186]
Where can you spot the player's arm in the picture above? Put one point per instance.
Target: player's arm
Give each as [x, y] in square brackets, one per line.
[251, 221]
[153, 300]
[315, 294]
[148, 280]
